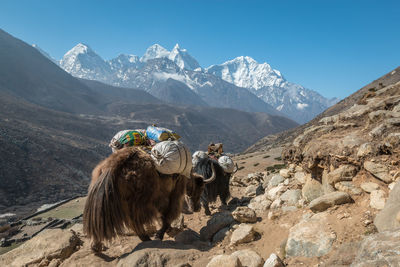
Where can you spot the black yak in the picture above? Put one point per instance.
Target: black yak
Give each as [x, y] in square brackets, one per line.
[219, 187]
[127, 192]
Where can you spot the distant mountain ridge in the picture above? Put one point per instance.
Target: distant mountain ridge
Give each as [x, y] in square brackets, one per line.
[282, 97]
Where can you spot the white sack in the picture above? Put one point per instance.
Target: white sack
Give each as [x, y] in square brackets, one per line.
[226, 164]
[172, 157]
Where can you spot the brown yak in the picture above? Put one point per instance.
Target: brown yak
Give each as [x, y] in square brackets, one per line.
[127, 192]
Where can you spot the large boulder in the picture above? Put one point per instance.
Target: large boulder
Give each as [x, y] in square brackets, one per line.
[343, 173]
[329, 200]
[389, 217]
[377, 199]
[50, 244]
[305, 241]
[275, 180]
[378, 170]
[382, 249]
[291, 197]
[217, 222]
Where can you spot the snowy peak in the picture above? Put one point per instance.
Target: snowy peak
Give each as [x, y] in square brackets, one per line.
[124, 61]
[154, 51]
[182, 58]
[245, 72]
[81, 61]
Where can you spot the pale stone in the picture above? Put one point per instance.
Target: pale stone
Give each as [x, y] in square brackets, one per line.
[378, 199]
[300, 176]
[369, 187]
[343, 173]
[378, 170]
[348, 187]
[276, 204]
[329, 200]
[249, 258]
[224, 261]
[276, 180]
[364, 150]
[310, 237]
[275, 192]
[243, 234]
[389, 217]
[291, 197]
[217, 222]
[285, 173]
[273, 261]
[244, 215]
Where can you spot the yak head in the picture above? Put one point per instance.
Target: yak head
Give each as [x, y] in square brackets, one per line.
[195, 188]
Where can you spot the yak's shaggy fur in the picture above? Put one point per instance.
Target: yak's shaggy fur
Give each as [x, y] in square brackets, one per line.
[127, 192]
[219, 187]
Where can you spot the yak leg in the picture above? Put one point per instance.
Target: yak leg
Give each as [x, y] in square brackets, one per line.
[174, 208]
[204, 202]
[165, 226]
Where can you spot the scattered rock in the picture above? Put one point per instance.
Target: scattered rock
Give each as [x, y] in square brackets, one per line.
[365, 150]
[244, 215]
[348, 187]
[273, 261]
[312, 189]
[369, 187]
[51, 244]
[389, 218]
[272, 215]
[378, 130]
[276, 180]
[217, 222]
[377, 199]
[305, 241]
[391, 186]
[251, 191]
[343, 173]
[249, 258]
[329, 200]
[378, 170]
[243, 234]
[220, 235]
[224, 261]
[187, 237]
[260, 204]
[285, 173]
[276, 204]
[300, 177]
[291, 197]
[275, 192]
[382, 249]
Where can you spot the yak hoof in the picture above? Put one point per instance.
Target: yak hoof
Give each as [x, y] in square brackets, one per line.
[145, 238]
[207, 212]
[98, 247]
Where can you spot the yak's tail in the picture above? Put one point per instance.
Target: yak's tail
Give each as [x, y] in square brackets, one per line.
[121, 196]
[103, 216]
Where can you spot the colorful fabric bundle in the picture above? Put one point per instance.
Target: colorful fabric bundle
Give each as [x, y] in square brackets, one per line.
[128, 138]
[159, 134]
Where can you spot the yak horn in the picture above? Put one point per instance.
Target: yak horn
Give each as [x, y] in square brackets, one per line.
[213, 176]
[236, 168]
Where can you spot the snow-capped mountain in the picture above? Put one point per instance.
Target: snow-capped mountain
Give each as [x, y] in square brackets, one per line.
[299, 103]
[175, 76]
[81, 61]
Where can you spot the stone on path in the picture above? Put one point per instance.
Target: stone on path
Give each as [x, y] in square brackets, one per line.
[249, 258]
[329, 200]
[377, 199]
[224, 261]
[217, 222]
[243, 234]
[311, 237]
[369, 187]
[244, 215]
[389, 217]
[378, 170]
[273, 261]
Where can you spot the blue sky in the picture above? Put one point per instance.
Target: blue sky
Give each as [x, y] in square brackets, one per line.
[332, 47]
